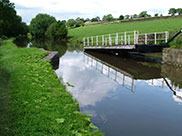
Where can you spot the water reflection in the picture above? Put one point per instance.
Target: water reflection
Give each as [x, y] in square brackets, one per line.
[50, 45]
[124, 96]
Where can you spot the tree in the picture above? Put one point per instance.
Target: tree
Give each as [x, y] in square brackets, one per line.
[121, 17]
[96, 19]
[179, 11]
[144, 14]
[10, 23]
[39, 25]
[71, 23]
[57, 31]
[156, 15]
[126, 16]
[108, 17]
[172, 11]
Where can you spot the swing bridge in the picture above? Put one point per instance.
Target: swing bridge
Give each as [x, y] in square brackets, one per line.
[130, 41]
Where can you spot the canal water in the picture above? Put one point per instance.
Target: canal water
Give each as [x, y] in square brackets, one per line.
[125, 97]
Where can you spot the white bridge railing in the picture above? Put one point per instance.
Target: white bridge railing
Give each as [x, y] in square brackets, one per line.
[126, 38]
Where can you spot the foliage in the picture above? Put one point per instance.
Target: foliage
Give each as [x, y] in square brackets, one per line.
[10, 23]
[126, 16]
[144, 14]
[39, 25]
[71, 23]
[95, 19]
[121, 17]
[57, 31]
[179, 11]
[108, 17]
[172, 11]
[32, 99]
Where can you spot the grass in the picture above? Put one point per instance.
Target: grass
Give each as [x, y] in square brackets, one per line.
[33, 101]
[171, 25]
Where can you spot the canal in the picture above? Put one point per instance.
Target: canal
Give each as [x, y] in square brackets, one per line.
[125, 97]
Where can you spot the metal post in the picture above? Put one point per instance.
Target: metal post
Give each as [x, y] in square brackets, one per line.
[125, 38]
[128, 39]
[145, 39]
[92, 40]
[115, 75]
[106, 41]
[87, 41]
[166, 38]
[102, 40]
[121, 40]
[155, 38]
[97, 41]
[110, 40]
[116, 40]
[135, 37]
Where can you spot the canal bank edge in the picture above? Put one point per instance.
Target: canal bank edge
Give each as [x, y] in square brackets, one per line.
[32, 99]
[172, 56]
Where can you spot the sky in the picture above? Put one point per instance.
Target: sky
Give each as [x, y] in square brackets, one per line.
[66, 9]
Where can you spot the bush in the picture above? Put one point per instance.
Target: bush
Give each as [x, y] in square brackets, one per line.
[57, 31]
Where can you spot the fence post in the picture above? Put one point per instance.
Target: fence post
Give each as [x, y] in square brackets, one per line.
[92, 40]
[106, 41]
[87, 41]
[128, 39]
[116, 40]
[155, 38]
[166, 38]
[102, 40]
[97, 41]
[145, 39]
[135, 37]
[110, 40]
[84, 41]
[125, 38]
[121, 40]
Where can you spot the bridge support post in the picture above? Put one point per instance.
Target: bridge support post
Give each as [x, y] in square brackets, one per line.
[166, 36]
[135, 37]
[116, 39]
[121, 40]
[106, 41]
[128, 39]
[110, 40]
[87, 41]
[92, 41]
[125, 38]
[102, 40]
[97, 41]
[145, 39]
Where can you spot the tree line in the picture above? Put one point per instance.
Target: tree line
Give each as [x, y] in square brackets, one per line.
[71, 23]
[42, 26]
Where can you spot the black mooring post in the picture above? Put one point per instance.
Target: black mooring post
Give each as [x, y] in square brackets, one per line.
[174, 36]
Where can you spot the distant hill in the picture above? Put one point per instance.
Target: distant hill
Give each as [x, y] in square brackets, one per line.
[146, 25]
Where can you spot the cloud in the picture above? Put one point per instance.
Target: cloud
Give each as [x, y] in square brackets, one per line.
[91, 8]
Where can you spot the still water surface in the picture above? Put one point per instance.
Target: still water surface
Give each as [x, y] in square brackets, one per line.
[125, 97]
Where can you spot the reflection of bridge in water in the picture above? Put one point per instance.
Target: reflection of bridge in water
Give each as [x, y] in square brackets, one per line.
[126, 72]
[119, 76]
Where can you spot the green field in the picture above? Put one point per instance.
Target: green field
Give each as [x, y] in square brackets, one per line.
[171, 25]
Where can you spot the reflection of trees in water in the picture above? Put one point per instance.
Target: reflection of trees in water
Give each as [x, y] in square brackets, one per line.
[50, 45]
[173, 73]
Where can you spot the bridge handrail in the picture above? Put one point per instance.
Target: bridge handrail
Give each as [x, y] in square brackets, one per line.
[126, 38]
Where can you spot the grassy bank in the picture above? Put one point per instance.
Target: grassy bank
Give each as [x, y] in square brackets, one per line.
[170, 24]
[33, 101]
